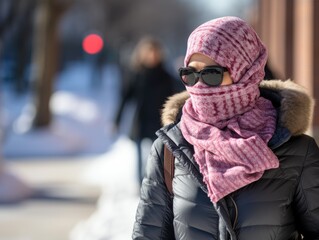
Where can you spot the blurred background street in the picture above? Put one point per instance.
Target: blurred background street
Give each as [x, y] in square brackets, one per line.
[68, 169]
[64, 173]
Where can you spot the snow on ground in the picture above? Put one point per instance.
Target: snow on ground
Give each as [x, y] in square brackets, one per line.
[82, 116]
[117, 205]
[82, 125]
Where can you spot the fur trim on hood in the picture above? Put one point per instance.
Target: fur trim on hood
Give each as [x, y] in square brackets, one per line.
[296, 106]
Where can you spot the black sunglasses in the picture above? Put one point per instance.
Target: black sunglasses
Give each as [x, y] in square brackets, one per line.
[210, 75]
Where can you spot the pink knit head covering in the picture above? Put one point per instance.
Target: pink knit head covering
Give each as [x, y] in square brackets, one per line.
[231, 43]
[230, 125]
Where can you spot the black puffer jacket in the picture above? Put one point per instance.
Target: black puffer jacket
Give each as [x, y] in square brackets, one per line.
[282, 205]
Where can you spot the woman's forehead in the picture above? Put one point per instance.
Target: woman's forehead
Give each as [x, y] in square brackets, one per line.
[200, 58]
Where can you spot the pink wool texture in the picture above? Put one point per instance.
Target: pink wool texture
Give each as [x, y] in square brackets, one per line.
[229, 126]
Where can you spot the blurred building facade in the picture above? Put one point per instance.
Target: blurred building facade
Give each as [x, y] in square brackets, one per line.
[290, 29]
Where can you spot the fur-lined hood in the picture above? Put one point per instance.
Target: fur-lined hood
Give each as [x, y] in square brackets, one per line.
[296, 106]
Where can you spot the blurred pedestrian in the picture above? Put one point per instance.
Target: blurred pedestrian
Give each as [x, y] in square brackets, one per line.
[244, 169]
[149, 85]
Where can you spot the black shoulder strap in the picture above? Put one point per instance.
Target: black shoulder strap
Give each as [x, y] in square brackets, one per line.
[168, 169]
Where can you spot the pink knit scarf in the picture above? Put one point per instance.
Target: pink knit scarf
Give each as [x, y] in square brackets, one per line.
[230, 126]
[229, 133]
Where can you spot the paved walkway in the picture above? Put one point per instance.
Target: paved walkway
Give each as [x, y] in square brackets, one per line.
[61, 200]
[76, 198]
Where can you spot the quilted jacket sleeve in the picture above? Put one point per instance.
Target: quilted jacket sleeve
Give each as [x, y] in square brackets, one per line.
[307, 194]
[154, 218]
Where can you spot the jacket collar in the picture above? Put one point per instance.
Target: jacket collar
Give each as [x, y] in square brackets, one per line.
[293, 104]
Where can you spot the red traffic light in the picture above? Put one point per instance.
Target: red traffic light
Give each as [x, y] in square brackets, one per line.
[92, 43]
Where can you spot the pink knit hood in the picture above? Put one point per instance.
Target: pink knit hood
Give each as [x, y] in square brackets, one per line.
[233, 44]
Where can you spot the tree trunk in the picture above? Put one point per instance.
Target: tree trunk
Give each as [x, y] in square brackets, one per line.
[45, 59]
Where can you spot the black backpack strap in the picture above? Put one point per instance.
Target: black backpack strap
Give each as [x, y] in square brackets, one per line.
[169, 166]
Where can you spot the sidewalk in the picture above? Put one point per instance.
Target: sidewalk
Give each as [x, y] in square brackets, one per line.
[60, 202]
[78, 198]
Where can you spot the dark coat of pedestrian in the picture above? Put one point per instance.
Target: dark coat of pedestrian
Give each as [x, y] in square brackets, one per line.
[244, 167]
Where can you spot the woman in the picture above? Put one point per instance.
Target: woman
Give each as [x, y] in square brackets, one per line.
[244, 169]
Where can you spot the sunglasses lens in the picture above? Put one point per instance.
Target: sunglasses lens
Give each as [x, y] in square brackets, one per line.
[212, 77]
[188, 77]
